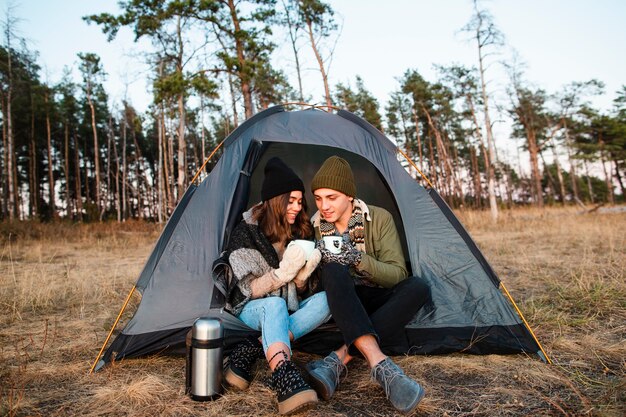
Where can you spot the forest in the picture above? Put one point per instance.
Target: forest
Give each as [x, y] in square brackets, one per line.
[70, 152]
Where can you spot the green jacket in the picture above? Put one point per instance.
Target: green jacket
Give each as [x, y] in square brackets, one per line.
[383, 261]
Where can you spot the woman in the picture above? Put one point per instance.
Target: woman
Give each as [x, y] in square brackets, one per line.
[271, 280]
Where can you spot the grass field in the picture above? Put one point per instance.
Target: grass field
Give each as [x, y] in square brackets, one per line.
[61, 287]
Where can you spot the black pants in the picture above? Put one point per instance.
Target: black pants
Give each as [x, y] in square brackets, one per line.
[382, 312]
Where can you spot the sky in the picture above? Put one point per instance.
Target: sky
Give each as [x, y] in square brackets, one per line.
[560, 41]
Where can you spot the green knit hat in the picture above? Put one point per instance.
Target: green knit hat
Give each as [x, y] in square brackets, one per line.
[336, 174]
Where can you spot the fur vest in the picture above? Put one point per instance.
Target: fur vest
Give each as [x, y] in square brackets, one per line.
[251, 255]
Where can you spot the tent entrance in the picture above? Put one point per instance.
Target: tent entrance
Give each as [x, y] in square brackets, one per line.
[305, 160]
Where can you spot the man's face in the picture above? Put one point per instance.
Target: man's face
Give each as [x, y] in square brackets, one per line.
[334, 206]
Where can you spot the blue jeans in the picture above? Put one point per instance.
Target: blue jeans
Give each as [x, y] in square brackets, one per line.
[271, 317]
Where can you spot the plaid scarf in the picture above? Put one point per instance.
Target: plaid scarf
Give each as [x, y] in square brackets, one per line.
[356, 228]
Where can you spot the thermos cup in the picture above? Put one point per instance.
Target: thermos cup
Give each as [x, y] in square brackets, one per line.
[204, 359]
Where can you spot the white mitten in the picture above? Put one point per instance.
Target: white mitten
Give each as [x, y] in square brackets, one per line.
[293, 260]
[308, 268]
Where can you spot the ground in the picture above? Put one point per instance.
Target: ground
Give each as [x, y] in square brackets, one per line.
[62, 285]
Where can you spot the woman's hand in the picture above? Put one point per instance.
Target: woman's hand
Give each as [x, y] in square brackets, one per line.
[293, 260]
[308, 268]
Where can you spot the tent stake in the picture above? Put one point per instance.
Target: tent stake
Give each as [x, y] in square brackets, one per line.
[112, 328]
[525, 322]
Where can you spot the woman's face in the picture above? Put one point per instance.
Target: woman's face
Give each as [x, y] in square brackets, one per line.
[294, 207]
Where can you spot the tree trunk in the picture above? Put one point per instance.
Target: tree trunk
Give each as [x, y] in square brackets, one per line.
[182, 171]
[557, 164]
[551, 182]
[4, 200]
[320, 62]
[202, 129]
[107, 200]
[293, 36]
[559, 175]
[618, 175]
[79, 193]
[10, 151]
[509, 189]
[18, 199]
[51, 195]
[443, 154]
[3, 162]
[166, 164]
[139, 175]
[476, 176]
[33, 210]
[233, 100]
[417, 136]
[160, 170]
[607, 177]
[96, 149]
[244, 78]
[66, 170]
[87, 174]
[589, 186]
[533, 150]
[572, 169]
[458, 176]
[173, 197]
[433, 168]
[124, 166]
[491, 172]
[118, 197]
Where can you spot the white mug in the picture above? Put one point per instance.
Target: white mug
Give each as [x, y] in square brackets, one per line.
[333, 243]
[306, 245]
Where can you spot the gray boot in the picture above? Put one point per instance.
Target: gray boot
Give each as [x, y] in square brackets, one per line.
[325, 374]
[403, 392]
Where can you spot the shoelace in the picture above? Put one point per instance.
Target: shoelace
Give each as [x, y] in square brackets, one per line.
[245, 355]
[336, 366]
[286, 378]
[388, 372]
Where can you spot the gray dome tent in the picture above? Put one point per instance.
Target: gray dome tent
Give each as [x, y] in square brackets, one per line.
[469, 312]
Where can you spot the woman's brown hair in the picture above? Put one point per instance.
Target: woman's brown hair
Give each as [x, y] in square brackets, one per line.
[272, 218]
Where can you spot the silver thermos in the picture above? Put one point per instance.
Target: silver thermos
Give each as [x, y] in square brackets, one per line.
[204, 359]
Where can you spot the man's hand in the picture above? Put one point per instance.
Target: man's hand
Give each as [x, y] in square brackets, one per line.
[349, 255]
[293, 260]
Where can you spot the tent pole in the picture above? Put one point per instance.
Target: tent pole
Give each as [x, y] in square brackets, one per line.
[283, 104]
[112, 328]
[525, 322]
[415, 166]
[313, 106]
[207, 161]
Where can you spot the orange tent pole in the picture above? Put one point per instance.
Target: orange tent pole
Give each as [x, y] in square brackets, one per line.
[207, 161]
[525, 322]
[132, 290]
[415, 166]
[501, 283]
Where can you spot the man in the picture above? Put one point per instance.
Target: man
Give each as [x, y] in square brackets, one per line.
[370, 296]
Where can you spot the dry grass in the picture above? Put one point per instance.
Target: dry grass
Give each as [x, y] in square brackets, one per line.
[61, 287]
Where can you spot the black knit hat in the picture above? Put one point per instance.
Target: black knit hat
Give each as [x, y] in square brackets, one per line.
[279, 179]
[336, 174]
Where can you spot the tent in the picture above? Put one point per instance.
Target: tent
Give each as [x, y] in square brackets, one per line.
[469, 313]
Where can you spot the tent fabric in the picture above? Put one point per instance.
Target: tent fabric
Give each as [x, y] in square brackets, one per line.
[468, 312]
